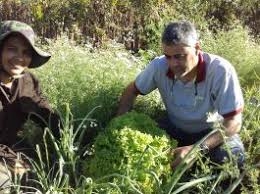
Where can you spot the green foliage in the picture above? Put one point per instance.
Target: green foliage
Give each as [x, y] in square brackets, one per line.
[248, 13]
[132, 146]
[31, 133]
[250, 134]
[86, 78]
[137, 24]
[239, 48]
[57, 166]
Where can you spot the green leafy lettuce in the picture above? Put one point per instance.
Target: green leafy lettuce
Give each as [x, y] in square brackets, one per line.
[132, 150]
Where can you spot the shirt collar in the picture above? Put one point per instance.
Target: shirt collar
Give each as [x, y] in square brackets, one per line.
[201, 73]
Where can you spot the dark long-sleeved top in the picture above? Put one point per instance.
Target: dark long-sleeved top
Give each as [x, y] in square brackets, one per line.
[24, 100]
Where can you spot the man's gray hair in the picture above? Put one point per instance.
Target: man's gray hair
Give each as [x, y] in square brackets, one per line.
[182, 32]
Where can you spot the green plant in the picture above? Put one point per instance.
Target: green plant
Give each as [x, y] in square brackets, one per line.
[132, 149]
[86, 78]
[239, 48]
[250, 134]
[58, 164]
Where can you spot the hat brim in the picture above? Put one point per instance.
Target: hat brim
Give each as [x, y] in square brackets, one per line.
[39, 57]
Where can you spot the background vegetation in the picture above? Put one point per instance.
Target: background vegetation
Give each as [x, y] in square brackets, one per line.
[136, 24]
[91, 65]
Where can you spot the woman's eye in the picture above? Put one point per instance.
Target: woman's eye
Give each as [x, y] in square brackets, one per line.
[11, 48]
[28, 53]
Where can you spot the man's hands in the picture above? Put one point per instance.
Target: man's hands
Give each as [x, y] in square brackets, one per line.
[179, 154]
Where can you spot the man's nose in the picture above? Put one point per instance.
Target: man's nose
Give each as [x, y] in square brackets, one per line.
[173, 62]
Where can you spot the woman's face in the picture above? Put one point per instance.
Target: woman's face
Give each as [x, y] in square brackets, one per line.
[16, 54]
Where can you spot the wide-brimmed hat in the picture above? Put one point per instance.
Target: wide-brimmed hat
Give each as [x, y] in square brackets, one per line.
[7, 27]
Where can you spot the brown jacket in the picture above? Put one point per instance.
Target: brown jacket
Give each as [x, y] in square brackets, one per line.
[23, 100]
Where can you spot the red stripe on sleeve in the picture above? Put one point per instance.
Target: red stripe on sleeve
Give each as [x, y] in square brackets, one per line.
[233, 113]
[137, 90]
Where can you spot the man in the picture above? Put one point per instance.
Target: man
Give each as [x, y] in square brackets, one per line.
[197, 88]
[20, 94]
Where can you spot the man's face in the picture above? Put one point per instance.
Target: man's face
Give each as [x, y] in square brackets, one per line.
[16, 55]
[182, 60]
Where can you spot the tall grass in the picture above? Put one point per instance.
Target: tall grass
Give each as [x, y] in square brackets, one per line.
[86, 78]
[250, 135]
[239, 48]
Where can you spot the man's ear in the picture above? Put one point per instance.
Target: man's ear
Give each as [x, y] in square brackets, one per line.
[197, 47]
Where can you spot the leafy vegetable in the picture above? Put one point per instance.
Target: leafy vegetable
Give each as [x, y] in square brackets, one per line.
[132, 149]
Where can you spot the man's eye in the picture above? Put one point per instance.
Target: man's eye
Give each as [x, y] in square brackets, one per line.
[179, 56]
[167, 56]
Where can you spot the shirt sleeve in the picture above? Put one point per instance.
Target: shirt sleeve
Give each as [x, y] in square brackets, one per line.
[227, 93]
[145, 81]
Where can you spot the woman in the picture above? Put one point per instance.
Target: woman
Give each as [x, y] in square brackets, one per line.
[20, 95]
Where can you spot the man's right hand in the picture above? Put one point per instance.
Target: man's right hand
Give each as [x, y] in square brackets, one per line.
[179, 154]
